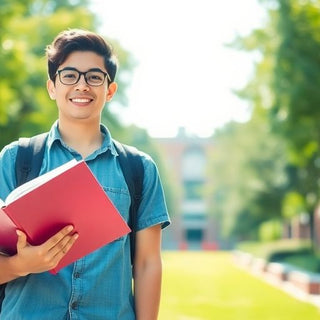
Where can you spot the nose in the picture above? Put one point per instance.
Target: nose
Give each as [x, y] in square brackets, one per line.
[82, 84]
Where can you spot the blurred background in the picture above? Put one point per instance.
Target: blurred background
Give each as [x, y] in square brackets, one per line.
[223, 94]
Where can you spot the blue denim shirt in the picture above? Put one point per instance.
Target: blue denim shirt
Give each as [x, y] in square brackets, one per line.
[98, 286]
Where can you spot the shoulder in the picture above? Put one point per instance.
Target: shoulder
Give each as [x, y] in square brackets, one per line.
[9, 151]
[133, 152]
[7, 169]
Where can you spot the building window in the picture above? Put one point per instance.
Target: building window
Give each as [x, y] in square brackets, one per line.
[194, 235]
[193, 190]
[193, 164]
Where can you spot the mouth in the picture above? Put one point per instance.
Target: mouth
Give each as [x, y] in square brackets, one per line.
[81, 100]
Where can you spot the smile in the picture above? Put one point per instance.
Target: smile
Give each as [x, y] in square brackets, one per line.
[81, 100]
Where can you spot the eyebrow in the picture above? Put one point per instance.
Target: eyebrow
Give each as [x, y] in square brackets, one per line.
[75, 69]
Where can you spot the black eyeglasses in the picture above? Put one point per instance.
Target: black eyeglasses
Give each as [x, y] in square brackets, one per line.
[93, 77]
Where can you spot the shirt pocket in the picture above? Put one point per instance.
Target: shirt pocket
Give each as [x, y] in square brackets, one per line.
[120, 198]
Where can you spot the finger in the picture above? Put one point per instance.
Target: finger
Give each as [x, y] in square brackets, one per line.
[54, 240]
[61, 248]
[22, 240]
[70, 243]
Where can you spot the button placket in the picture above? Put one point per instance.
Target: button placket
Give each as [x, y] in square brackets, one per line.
[76, 289]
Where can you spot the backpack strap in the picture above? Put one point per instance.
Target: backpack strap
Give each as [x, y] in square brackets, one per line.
[29, 158]
[133, 171]
[28, 164]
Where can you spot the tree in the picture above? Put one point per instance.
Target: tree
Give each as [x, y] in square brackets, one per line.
[285, 97]
[248, 167]
[297, 78]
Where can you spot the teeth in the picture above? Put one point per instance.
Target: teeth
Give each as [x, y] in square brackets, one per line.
[81, 100]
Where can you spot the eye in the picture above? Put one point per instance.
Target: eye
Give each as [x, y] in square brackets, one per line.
[95, 76]
[68, 75]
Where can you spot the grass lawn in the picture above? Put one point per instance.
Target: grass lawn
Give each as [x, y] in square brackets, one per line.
[208, 285]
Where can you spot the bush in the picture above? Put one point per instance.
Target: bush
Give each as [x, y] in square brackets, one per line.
[270, 230]
[280, 255]
[291, 251]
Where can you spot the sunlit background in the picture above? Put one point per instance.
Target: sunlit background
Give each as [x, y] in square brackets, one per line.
[185, 72]
[224, 95]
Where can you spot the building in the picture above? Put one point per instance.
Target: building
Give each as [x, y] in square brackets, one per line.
[187, 159]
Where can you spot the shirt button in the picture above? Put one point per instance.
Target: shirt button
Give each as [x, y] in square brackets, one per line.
[74, 305]
[77, 275]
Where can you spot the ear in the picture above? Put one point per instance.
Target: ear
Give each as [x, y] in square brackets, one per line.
[51, 89]
[112, 89]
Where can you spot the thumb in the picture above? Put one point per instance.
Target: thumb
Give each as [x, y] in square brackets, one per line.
[22, 240]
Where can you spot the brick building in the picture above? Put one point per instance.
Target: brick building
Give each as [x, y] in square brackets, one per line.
[187, 161]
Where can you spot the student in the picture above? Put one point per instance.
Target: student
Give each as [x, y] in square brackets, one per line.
[82, 69]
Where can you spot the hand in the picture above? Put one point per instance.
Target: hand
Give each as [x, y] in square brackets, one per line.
[36, 259]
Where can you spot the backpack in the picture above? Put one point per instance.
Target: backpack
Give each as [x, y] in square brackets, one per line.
[28, 164]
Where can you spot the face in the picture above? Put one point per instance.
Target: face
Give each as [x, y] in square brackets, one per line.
[81, 101]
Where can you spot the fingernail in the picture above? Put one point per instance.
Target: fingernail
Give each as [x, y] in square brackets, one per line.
[18, 232]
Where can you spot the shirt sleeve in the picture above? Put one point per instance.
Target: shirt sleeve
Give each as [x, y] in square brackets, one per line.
[7, 169]
[152, 209]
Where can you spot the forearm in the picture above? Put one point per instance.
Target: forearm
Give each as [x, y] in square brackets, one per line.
[147, 290]
[8, 269]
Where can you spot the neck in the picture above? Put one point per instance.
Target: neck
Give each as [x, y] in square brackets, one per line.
[85, 138]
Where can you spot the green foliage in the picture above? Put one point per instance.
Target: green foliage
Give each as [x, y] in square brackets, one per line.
[303, 259]
[265, 250]
[297, 253]
[248, 167]
[297, 76]
[270, 230]
[293, 205]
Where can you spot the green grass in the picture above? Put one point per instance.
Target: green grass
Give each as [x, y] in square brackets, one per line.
[208, 285]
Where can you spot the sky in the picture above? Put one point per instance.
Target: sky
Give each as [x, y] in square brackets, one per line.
[185, 73]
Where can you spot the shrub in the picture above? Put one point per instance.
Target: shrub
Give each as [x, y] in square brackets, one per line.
[270, 230]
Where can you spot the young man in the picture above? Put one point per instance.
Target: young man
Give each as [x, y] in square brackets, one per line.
[82, 69]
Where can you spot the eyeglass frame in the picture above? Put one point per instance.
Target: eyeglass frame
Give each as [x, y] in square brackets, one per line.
[106, 75]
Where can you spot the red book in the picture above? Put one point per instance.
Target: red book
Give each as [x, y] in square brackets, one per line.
[67, 195]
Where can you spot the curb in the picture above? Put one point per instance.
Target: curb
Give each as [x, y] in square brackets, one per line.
[303, 285]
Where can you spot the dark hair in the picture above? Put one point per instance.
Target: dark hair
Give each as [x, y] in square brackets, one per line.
[72, 40]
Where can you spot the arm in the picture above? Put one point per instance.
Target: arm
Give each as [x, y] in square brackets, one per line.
[36, 259]
[147, 273]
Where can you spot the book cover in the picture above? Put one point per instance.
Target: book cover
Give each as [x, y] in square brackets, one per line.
[74, 197]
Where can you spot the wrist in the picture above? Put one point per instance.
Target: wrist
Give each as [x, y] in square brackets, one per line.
[16, 267]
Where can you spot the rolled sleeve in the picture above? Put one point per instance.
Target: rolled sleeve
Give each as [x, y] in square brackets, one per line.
[153, 209]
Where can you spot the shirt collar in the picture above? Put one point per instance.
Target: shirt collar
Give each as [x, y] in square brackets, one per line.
[54, 136]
